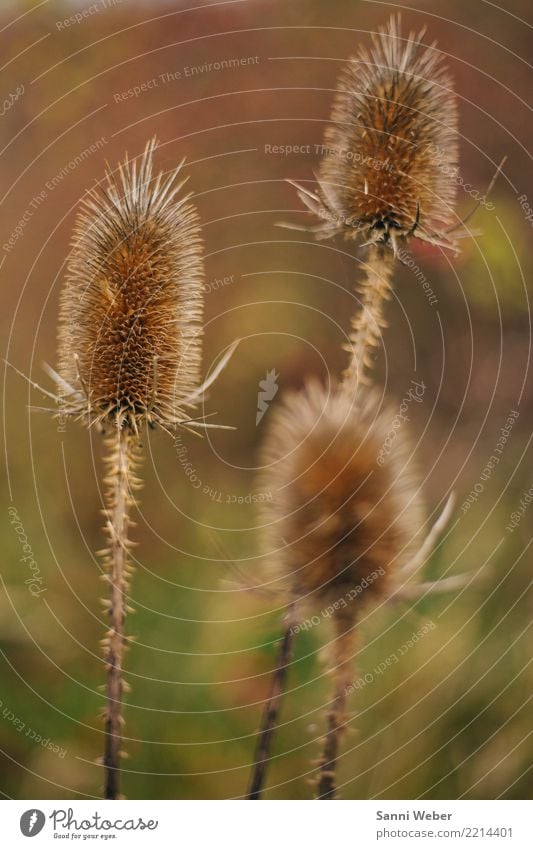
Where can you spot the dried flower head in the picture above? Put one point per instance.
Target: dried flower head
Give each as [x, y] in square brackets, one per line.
[391, 149]
[339, 521]
[131, 311]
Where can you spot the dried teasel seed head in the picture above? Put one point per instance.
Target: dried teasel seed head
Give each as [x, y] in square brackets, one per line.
[341, 520]
[131, 310]
[391, 150]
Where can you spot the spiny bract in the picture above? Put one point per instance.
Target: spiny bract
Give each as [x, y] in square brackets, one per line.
[390, 153]
[131, 310]
[339, 524]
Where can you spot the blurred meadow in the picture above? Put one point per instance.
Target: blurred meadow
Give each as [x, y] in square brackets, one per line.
[229, 86]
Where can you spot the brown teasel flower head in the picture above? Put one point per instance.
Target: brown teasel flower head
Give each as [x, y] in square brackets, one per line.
[130, 329]
[391, 149]
[341, 523]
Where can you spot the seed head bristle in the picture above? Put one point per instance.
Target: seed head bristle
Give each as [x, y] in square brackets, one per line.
[391, 148]
[131, 310]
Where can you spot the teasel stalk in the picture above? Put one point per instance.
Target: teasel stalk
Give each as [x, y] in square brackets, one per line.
[122, 452]
[369, 321]
[272, 707]
[130, 342]
[336, 715]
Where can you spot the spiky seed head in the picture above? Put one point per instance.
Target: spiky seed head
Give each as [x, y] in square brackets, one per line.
[339, 523]
[391, 148]
[131, 310]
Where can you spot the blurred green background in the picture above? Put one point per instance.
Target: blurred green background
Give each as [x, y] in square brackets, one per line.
[452, 718]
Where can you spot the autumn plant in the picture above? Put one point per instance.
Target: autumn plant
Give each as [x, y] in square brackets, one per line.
[130, 341]
[343, 529]
[337, 519]
[384, 178]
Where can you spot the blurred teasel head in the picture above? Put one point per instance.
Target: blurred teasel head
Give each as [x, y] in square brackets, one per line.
[131, 311]
[390, 152]
[341, 522]
[342, 528]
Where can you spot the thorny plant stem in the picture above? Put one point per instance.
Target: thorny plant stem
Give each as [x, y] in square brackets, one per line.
[328, 762]
[369, 320]
[271, 710]
[365, 336]
[119, 501]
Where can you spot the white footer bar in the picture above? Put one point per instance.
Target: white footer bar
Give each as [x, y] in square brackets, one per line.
[268, 825]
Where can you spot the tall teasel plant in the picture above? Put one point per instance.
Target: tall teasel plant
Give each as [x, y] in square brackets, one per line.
[130, 341]
[343, 529]
[341, 532]
[338, 522]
